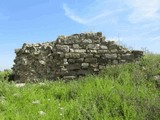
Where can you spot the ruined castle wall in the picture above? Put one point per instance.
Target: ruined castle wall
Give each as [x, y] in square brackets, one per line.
[69, 57]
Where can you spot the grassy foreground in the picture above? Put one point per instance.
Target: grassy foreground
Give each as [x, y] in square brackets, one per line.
[124, 92]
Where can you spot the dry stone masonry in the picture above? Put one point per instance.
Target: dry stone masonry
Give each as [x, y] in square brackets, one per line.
[69, 57]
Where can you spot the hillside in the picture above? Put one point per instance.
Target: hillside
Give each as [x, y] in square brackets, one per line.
[129, 91]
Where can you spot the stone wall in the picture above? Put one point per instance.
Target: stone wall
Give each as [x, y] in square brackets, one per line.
[69, 57]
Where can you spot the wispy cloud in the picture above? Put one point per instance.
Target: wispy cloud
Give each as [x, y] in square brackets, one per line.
[100, 15]
[72, 15]
[143, 10]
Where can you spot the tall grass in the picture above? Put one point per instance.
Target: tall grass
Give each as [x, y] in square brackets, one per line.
[124, 92]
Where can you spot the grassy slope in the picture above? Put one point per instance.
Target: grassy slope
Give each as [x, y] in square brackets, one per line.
[119, 92]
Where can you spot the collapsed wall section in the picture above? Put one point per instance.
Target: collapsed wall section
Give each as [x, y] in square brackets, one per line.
[69, 57]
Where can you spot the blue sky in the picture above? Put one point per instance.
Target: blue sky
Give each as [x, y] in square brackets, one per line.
[133, 23]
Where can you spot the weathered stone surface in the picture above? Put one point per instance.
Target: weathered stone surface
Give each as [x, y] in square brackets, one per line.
[113, 46]
[115, 62]
[78, 50]
[87, 41]
[94, 65]
[93, 46]
[73, 67]
[91, 60]
[114, 51]
[127, 56]
[102, 67]
[69, 77]
[72, 55]
[69, 57]
[104, 47]
[110, 56]
[103, 51]
[86, 55]
[62, 48]
[85, 65]
[137, 53]
[92, 51]
[76, 46]
[79, 60]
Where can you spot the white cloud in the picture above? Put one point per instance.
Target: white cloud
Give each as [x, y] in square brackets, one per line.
[143, 10]
[70, 14]
[91, 17]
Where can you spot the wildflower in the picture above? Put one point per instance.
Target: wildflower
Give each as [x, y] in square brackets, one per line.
[61, 114]
[36, 102]
[61, 108]
[20, 84]
[41, 112]
[16, 94]
[49, 99]
[2, 97]
[42, 83]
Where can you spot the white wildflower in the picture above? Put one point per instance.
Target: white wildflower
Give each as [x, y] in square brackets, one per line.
[20, 84]
[36, 102]
[41, 112]
[42, 83]
[59, 104]
[16, 94]
[2, 97]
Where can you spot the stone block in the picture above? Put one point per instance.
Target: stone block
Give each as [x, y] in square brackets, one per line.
[103, 51]
[96, 70]
[127, 56]
[91, 51]
[83, 72]
[115, 62]
[76, 46]
[62, 48]
[137, 53]
[110, 56]
[87, 41]
[93, 46]
[86, 55]
[99, 34]
[85, 65]
[69, 77]
[71, 60]
[73, 66]
[114, 51]
[102, 67]
[104, 47]
[78, 50]
[94, 65]
[91, 60]
[113, 46]
[72, 55]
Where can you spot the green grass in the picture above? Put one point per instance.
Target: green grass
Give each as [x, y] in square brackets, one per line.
[124, 92]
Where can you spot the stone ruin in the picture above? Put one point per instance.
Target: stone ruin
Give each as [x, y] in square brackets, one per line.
[69, 57]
